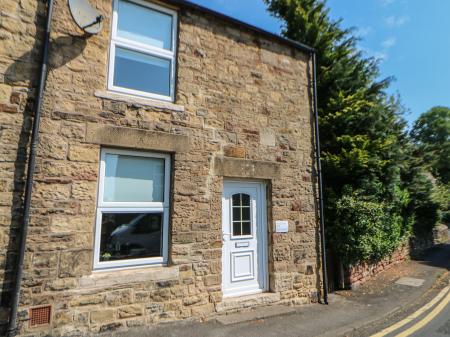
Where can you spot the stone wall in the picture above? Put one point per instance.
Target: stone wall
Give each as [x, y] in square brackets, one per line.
[21, 25]
[358, 274]
[239, 95]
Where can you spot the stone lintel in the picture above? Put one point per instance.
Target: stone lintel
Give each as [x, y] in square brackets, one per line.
[136, 138]
[121, 277]
[244, 168]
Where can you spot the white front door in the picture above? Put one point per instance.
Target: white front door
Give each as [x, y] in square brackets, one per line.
[244, 236]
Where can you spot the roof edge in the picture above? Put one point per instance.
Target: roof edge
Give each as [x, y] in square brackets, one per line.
[292, 43]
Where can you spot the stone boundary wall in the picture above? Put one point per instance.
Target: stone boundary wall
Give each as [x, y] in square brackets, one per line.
[358, 274]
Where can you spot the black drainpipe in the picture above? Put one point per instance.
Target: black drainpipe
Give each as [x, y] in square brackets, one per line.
[12, 326]
[319, 180]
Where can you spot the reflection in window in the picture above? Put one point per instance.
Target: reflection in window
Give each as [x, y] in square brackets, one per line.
[143, 54]
[130, 236]
[138, 71]
[133, 178]
[132, 209]
[241, 214]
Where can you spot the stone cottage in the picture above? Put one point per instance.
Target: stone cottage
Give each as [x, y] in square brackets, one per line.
[174, 172]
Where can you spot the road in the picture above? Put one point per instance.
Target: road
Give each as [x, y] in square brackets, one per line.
[431, 320]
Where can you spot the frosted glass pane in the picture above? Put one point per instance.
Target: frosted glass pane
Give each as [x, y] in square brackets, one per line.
[133, 179]
[144, 25]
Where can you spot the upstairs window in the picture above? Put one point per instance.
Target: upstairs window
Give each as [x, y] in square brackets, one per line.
[142, 55]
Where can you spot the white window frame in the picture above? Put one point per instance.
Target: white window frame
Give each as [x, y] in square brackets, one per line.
[132, 207]
[129, 44]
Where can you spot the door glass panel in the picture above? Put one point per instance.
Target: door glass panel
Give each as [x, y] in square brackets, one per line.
[236, 228]
[241, 214]
[246, 228]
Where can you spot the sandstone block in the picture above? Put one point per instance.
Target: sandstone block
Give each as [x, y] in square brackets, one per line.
[83, 300]
[5, 93]
[234, 151]
[119, 297]
[88, 154]
[103, 316]
[84, 190]
[130, 311]
[75, 263]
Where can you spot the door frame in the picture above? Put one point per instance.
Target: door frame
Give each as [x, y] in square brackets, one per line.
[261, 234]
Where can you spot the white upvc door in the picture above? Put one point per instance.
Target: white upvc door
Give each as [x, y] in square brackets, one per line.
[244, 236]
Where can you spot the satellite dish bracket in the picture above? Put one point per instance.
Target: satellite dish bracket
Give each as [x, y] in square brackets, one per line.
[98, 19]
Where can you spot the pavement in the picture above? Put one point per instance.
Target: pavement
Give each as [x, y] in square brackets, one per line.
[386, 299]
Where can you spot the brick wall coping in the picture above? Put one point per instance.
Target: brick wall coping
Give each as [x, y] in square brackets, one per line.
[139, 101]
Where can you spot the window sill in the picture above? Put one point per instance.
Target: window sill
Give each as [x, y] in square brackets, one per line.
[107, 278]
[141, 101]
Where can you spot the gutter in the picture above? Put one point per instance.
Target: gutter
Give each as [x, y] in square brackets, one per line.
[319, 180]
[12, 326]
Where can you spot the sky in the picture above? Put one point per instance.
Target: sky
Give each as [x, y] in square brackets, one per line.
[410, 37]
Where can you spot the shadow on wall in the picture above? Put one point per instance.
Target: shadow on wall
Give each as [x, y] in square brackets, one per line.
[23, 74]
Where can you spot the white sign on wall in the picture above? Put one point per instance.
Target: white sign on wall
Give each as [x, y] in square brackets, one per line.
[281, 226]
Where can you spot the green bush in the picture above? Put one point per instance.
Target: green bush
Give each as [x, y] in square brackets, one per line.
[443, 199]
[365, 230]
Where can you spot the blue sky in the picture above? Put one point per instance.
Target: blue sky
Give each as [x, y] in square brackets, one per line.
[411, 37]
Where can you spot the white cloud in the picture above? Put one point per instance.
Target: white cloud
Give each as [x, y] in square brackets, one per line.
[389, 43]
[379, 55]
[396, 21]
[364, 31]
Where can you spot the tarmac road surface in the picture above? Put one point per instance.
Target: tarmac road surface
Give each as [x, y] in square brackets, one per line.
[431, 320]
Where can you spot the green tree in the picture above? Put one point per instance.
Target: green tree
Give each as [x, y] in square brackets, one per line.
[362, 136]
[431, 133]
[431, 137]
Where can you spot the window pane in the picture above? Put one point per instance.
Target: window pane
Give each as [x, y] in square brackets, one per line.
[236, 228]
[133, 179]
[245, 200]
[245, 213]
[246, 228]
[145, 25]
[130, 236]
[138, 71]
[236, 200]
[236, 214]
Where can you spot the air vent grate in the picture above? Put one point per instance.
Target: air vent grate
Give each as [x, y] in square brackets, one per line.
[40, 316]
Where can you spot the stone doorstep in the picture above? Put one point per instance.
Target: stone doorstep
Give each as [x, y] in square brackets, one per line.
[234, 303]
[256, 314]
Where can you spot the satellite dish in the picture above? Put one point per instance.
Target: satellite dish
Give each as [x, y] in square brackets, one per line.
[85, 16]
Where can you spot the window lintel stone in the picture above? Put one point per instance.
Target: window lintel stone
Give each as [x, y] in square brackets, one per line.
[136, 138]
